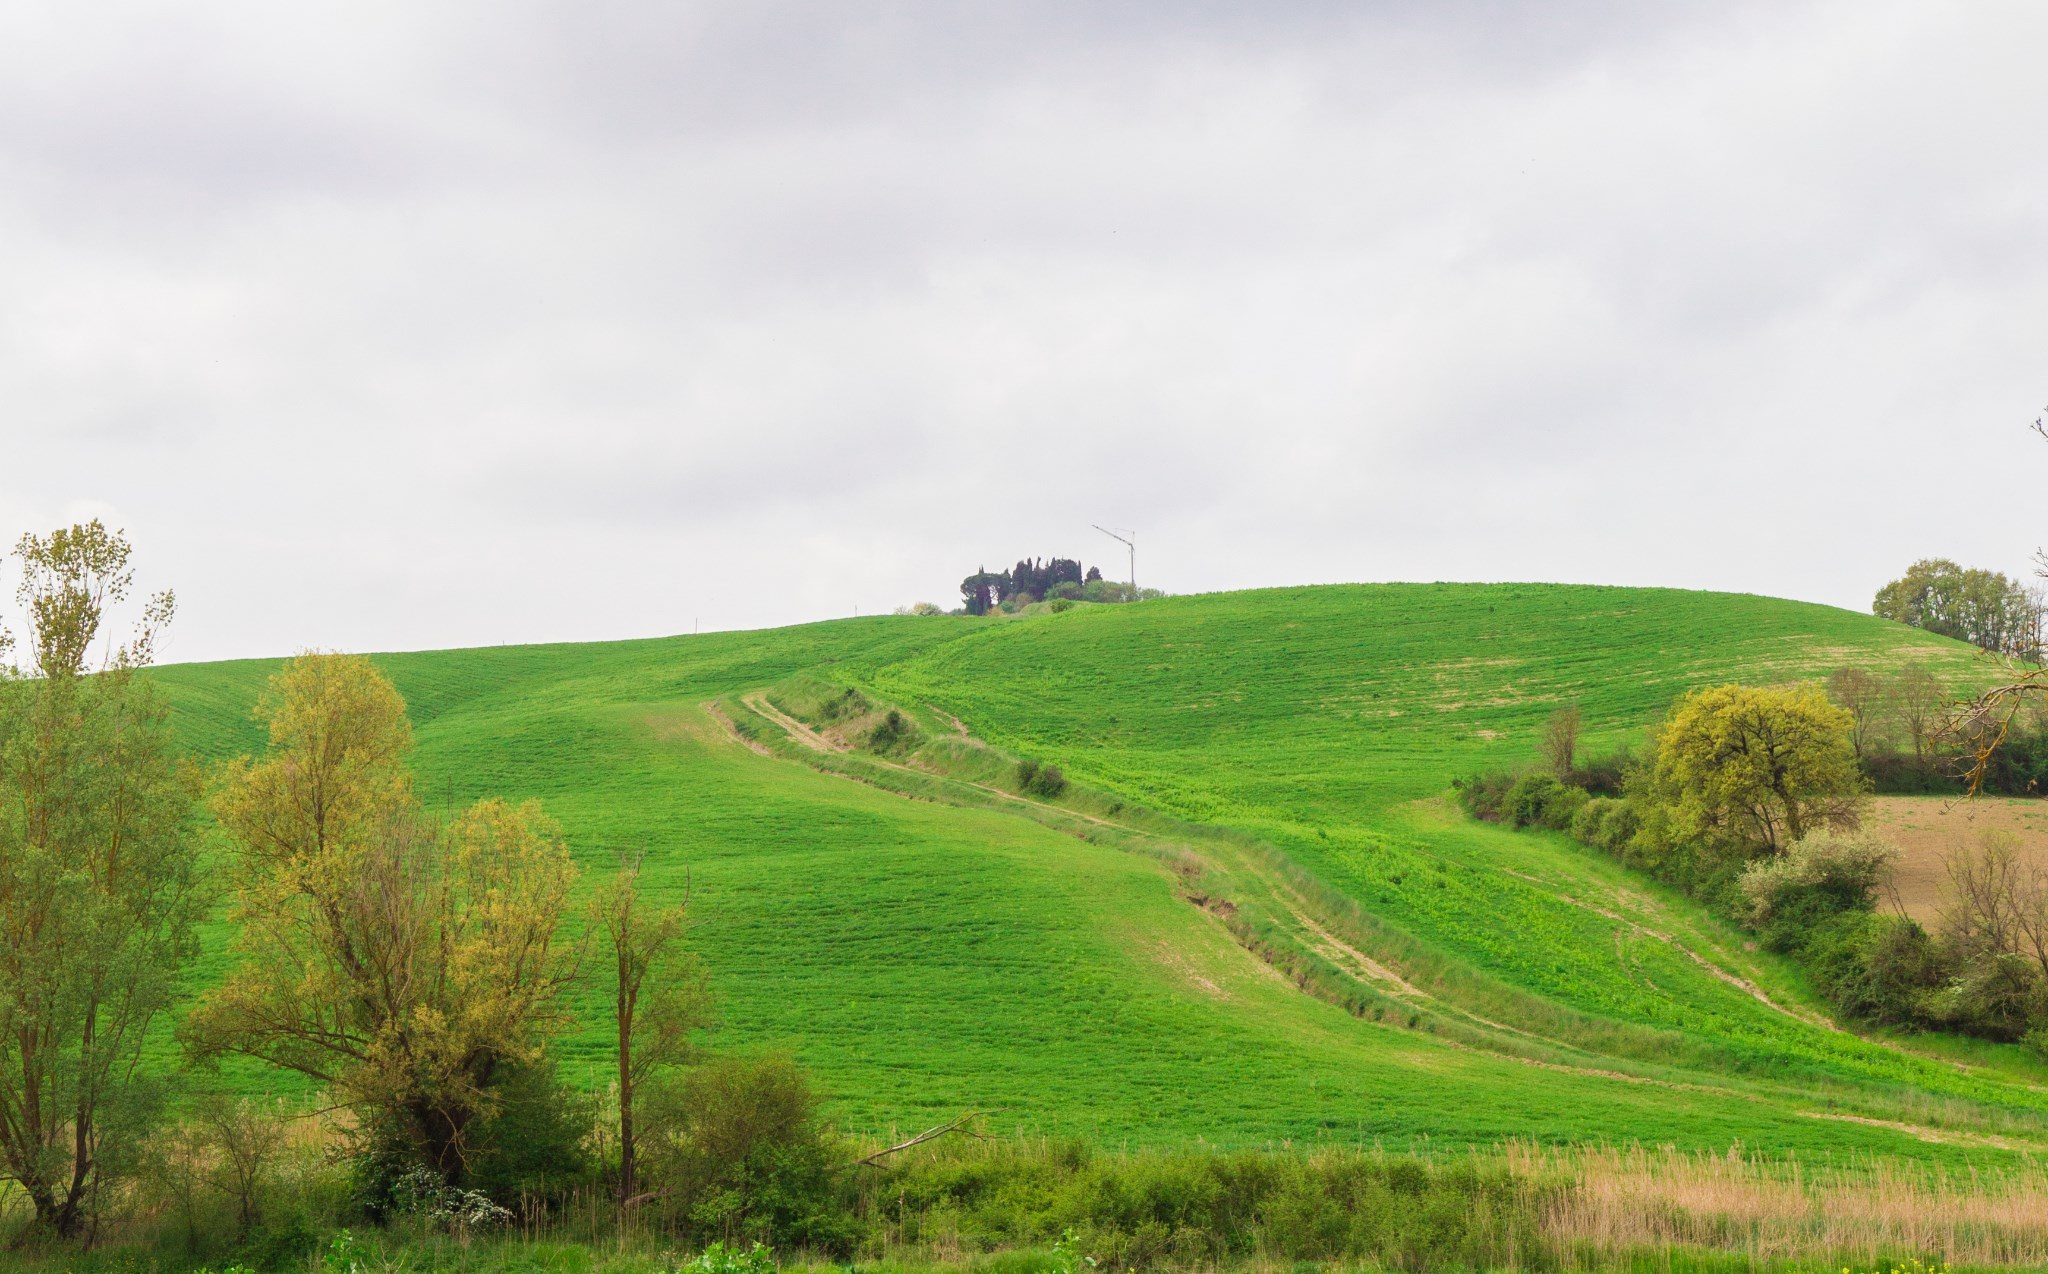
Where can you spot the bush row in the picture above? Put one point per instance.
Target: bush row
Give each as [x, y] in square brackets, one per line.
[1816, 903]
[1189, 1209]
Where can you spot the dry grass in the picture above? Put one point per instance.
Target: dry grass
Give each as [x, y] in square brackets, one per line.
[1766, 1209]
[1928, 828]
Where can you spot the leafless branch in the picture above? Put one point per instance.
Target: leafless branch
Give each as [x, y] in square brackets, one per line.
[1983, 723]
[960, 1125]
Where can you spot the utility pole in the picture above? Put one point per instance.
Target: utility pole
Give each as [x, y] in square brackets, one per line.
[1129, 539]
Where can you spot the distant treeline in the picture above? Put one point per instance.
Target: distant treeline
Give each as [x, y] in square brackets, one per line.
[1910, 736]
[1985, 608]
[1030, 580]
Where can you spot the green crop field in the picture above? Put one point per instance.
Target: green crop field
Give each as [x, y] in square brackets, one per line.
[1254, 919]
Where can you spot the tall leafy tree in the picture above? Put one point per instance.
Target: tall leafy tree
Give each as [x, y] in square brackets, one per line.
[981, 590]
[1863, 695]
[660, 997]
[407, 963]
[98, 876]
[1985, 608]
[1752, 769]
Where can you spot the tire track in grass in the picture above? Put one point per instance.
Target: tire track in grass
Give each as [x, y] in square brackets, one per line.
[795, 729]
[733, 732]
[1345, 958]
[1737, 981]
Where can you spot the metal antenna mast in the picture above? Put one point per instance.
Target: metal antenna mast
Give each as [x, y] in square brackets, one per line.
[1129, 538]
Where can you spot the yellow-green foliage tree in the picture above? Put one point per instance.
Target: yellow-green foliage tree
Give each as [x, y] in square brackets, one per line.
[1750, 770]
[404, 962]
[661, 997]
[97, 876]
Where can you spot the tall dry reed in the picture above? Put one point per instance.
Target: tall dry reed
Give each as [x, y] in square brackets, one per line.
[1765, 1208]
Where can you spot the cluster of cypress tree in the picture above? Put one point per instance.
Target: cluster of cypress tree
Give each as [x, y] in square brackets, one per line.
[1030, 580]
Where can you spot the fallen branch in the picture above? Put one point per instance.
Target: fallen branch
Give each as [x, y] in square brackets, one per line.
[959, 1125]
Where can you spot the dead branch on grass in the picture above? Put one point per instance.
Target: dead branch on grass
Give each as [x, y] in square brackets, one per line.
[963, 1124]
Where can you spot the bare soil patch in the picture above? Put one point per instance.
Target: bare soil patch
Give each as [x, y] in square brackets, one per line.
[1929, 828]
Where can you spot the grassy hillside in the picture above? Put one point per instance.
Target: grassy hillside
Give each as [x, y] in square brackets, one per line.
[1329, 721]
[1256, 768]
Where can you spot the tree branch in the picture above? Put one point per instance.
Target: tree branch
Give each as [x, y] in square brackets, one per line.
[933, 1134]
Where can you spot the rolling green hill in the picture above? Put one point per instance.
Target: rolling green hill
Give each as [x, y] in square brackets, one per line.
[1254, 918]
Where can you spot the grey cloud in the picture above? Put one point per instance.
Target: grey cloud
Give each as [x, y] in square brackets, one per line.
[411, 325]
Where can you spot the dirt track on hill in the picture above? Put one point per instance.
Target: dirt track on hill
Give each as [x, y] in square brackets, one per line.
[1347, 958]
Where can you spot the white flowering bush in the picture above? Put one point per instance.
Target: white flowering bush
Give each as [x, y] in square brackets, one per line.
[421, 1193]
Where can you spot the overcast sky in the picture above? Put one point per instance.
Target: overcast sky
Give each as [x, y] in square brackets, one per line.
[386, 326]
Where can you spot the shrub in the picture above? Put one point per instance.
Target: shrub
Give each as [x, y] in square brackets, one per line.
[1558, 814]
[1824, 875]
[1589, 824]
[423, 1196]
[1034, 779]
[1606, 775]
[741, 1154]
[726, 1258]
[1879, 968]
[1107, 590]
[1996, 995]
[1484, 796]
[893, 733]
[1539, 800]
[2019, 766]
[533, 1143]
[1605, 822]
[284, 1241]
[1204, 1210]
[847, 703]
[1897, 773]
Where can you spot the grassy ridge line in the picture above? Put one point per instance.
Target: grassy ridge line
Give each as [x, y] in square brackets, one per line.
[1268, 910]
[1291, 715]
[1298, 705]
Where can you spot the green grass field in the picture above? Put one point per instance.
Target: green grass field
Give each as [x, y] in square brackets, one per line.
[1278, 757]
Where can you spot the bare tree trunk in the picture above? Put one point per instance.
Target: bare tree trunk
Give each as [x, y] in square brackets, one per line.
[81, 1132]
[628, 1168]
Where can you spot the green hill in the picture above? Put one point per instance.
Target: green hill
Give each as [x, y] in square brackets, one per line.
[1254, 918]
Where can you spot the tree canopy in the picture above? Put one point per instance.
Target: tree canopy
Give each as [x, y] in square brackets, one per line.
[99, 881]
[1984, 608]
[1031, 580]
[1754, 768]
[405, 962]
